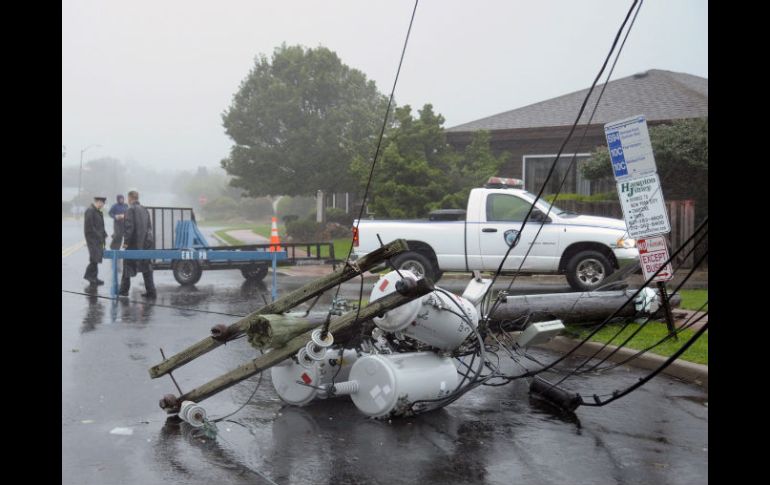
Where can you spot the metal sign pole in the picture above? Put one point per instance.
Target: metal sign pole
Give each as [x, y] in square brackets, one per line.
[114, 289]
[275, 281]
[667, 308]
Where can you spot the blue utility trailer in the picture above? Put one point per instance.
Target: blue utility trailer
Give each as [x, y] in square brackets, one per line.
[181, 247]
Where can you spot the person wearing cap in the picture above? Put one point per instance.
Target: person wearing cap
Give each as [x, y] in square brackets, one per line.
[117, 212]
[96, 238]
[138, 235]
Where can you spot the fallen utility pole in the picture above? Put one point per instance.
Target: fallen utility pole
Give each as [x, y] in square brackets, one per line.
[222, 334]
[586, 307]
[171, 403]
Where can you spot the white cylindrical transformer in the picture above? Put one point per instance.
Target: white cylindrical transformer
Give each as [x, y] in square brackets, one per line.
[297, 384]
[387, 384]
[435, 319]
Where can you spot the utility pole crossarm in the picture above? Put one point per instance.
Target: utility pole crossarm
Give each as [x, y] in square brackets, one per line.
[281, 305]
[275, 356]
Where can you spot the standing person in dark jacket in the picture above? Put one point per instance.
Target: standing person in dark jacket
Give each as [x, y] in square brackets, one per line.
[117, 212]
[138, 235]
[96, 237]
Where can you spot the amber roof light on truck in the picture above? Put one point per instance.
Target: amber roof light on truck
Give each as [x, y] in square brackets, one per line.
[504, 183]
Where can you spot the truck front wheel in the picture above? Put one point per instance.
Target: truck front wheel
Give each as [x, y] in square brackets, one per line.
[417, 264]
[587, 270]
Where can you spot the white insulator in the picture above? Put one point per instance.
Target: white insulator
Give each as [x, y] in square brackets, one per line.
[192, 413]
[345, 388]
[315, 352]
[304, 359]
[316, 337]
[647, 301]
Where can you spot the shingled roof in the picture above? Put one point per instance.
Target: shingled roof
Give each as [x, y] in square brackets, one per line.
[657, 94]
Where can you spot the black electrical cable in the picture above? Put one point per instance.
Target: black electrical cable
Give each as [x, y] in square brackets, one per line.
[561, 148]
[615, 313]
[152, 304]
[458, 392]
[618, 394]
[685, 326]
[325, 329]
[639, 329]
[577, 150]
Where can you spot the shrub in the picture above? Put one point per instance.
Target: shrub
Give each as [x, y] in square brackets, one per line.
[334, 231]
[303, 231]
[612, 196]
[222, 207]
[255, 209]
[296, 206]
[339, 216]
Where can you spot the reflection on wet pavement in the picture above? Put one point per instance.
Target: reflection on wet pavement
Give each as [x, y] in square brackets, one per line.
[493, 435]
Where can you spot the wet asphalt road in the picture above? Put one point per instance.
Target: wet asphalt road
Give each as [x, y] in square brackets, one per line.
[493, 435]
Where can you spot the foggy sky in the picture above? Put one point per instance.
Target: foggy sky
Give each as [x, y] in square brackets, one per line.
[148, 80]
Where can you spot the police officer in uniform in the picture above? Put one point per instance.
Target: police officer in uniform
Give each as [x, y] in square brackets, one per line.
[96, 238]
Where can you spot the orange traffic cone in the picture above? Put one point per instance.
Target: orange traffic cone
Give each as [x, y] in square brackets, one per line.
[275, 241]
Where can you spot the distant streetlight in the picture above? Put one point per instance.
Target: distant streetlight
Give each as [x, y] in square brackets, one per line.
[80, 173]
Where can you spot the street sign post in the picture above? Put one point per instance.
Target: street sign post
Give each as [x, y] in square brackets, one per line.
[644, 209]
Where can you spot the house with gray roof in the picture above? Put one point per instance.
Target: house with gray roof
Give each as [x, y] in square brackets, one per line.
[533, 134]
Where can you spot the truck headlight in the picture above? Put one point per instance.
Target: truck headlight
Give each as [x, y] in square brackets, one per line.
[626, 243]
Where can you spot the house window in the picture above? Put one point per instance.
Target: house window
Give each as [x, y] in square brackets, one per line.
[535, 169]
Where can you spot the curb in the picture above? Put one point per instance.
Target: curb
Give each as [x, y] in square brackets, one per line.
[691, 372]
[221, 241]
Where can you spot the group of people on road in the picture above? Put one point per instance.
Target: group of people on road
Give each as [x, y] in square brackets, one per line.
[132, 229]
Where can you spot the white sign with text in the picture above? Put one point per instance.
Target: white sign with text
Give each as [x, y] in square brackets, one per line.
[653, 252]
[630, 148]
[643, 207]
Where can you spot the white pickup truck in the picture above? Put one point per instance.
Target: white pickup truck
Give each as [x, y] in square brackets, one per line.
[584, 248]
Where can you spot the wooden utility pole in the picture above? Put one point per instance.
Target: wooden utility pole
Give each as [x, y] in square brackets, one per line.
[275, 356]
[281, 305]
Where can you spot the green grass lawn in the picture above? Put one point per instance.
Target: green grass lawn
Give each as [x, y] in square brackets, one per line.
[228, 238]
[649, 335]
[341, 248]
[262, 229]
[693, 299]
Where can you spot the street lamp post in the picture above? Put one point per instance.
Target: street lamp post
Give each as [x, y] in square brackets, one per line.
[80, 173]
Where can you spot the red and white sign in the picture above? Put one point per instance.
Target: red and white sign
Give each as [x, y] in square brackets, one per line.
[202, 199]
[653, 252]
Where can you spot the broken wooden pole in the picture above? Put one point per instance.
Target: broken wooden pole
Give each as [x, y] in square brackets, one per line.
[587, 307]
[275, 356]
[281, 305]
[273, 331]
